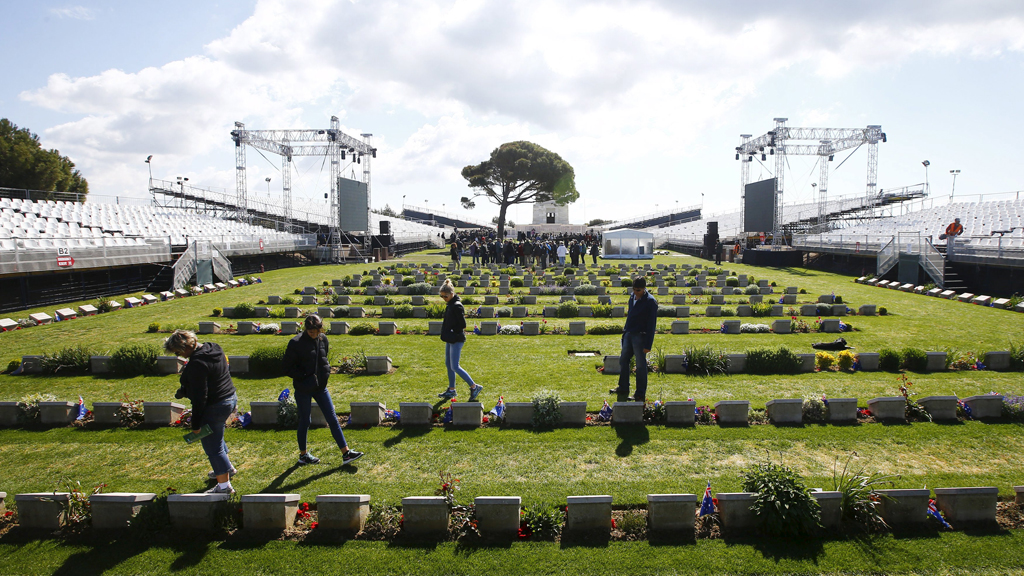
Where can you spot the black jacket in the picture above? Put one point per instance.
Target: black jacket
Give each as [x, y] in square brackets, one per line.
[306, 358]
[642, 318]
[206, 380]
[454, 326]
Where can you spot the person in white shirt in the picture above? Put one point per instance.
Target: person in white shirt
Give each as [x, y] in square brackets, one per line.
[561, 253]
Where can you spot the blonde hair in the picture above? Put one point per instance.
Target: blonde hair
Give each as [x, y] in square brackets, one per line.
[181, 343]
[447, 287]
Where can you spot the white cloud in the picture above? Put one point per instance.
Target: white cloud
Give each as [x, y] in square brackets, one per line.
[74, 12]
[599, 82]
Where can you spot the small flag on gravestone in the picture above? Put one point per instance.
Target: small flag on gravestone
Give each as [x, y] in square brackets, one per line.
[499, 408]
[245, 419]
[934, 511]
[707, 505]
[284, 395]
[606, 412]
[447, 416]
[81, 408]
[388, 414]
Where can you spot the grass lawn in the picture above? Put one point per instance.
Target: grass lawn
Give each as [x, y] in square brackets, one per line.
[542, 467]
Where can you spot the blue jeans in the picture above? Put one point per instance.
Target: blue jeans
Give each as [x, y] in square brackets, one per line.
[323, 400]
[216, 416]
[633, 346]
[561, 260]
[452, 353]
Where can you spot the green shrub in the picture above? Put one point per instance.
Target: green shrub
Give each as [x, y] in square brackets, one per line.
[28, 407]
[883, 311]
[568, 309]
[727, 312]
[914, 359]
[69, 359]
[245, 310]
[586, 290]
[783, 505]
[627, 282]
[366, 282]
[419, 289]
[814, 410]
[503, 312]
[732, 281]
[153, 327]
[515, 282]
[889, 360]
[543, 522]
[362, 330]
[134, 358]
[601, 310]
[823, 309]
[859, 506]
[102, 305]
[218, 311]
[761, 309]
[407, 281]
[704, 360]
[547, 412]
[403, 311]
[667, 311]
[13, 365]
[751, 290]
[436, 310]
[779, 360]
[1017, 355]
[340, 312]
[267, 362]
[603, 329]
[838, 299]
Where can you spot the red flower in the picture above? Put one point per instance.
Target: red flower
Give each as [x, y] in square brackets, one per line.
[314, 525]
[613, 522]
[8, 514]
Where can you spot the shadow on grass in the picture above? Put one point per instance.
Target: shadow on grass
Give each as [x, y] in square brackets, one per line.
[104, 553]
[585, 539]
[777, 549]
[278, 485]
[406, 432]
[630, 436]
[464, 547]
[671, 539]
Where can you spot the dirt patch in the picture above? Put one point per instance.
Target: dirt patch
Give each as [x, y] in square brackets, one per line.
[1009, 515]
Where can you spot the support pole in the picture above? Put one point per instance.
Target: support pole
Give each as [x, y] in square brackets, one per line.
[744, 180]
[286, 186]
[781, 134]
[242, 214]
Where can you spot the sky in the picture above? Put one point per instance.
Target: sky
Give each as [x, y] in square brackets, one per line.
[645, 99]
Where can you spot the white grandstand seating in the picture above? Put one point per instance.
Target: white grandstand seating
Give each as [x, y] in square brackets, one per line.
[113, 225]
[980, 220]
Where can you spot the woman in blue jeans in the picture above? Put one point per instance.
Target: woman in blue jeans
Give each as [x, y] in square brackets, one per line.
[206, 381]
[307, 361]
[453, 334]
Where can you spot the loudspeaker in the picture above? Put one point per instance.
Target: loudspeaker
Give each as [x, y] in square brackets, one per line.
[713, 229]
[385, 227]
[380, 241]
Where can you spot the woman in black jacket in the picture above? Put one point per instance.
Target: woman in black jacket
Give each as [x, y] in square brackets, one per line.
[453, 333]
[306, 360]
[206, 381]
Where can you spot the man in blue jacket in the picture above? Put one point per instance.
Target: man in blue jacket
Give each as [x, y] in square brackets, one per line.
[637, 340]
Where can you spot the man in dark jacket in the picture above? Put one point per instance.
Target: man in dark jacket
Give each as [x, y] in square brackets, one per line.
[307, 362]
[637, 339]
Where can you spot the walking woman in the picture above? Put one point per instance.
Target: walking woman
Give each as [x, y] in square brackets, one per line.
[453, 333]
[206, 381]
[306, 360]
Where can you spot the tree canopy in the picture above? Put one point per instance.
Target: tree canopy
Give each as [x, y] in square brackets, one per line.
[25, 164]
[520, 172]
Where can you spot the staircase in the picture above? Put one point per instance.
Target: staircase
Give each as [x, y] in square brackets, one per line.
[953, 281]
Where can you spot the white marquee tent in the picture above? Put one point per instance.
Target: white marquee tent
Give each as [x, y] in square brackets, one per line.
[628, 244]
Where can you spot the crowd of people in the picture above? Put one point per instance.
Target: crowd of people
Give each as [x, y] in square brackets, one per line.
[527, 250]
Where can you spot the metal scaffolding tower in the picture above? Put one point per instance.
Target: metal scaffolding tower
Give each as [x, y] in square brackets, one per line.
[829, 142]
[331, 143]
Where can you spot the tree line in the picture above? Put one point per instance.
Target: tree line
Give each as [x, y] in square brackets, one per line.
[25, 164]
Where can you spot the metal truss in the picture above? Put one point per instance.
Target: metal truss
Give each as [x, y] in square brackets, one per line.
[829, 141]
[331, 143]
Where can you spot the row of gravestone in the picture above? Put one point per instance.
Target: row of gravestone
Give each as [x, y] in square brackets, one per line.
[786, 411]
[736, 363]
[500, 516]
[967, 297]
[42, 318]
